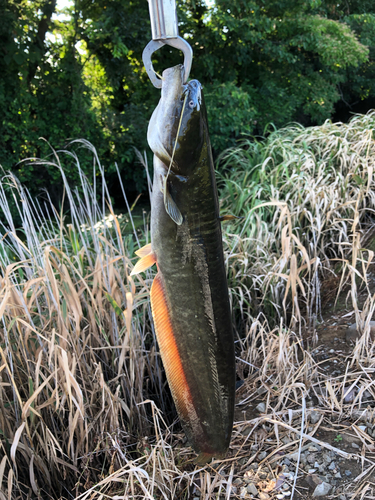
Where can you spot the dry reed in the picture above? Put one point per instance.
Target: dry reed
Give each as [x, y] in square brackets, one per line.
[84, 409]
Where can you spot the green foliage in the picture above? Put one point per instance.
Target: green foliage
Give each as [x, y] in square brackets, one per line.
[361, 83]
[279, 62]
[41, 95]
[82, 75]
[232, 112]
[292, 57]
[333, 42]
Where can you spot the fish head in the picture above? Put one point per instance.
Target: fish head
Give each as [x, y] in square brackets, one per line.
[193, 100]
[191, 136]
[176, 130]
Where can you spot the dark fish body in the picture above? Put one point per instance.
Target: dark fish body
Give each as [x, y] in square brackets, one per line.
[189, 296]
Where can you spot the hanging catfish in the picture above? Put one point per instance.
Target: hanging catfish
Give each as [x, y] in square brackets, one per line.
[189, 296]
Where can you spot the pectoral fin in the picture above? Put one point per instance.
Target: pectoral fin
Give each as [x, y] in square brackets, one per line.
[144, 263]
[142, 252]
[170, 205]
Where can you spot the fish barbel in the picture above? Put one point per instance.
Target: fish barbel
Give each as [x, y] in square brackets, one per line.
[189, 295]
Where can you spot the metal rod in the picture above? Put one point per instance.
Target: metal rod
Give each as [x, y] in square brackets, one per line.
[163, 18]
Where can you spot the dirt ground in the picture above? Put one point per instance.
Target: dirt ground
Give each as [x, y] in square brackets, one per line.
[336, 457]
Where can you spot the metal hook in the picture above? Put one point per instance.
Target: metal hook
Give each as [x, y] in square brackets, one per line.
[154, 45]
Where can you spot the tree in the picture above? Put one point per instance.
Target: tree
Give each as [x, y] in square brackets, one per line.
[42, 93]
[286, 56]
[357, 91]
[259, 61]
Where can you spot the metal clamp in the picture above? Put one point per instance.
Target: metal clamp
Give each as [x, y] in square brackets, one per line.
[154, 45]
[164, 30]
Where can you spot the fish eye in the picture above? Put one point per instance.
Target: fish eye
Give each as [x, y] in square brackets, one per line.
[191, 104]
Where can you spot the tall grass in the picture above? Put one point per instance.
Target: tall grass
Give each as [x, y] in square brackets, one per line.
[78, 354]
[303, 202]
[84, 407]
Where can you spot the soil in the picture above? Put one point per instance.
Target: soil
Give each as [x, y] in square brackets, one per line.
[340, 463]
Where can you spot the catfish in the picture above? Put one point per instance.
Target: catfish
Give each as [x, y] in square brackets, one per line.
[189, 295]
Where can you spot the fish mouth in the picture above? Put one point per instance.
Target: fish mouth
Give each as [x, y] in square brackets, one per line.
[193, 95]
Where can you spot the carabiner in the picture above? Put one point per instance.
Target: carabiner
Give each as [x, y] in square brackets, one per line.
[164, 30]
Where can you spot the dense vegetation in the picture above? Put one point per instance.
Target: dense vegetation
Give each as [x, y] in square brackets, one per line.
[81, 76]
[84, 405]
